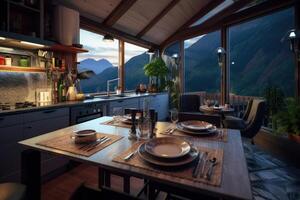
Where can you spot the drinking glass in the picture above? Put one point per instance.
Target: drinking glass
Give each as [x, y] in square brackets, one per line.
[144, 128]
[117, 113]
[174, 116]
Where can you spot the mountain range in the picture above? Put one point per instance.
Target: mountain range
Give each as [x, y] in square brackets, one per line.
[97, 66]
[258, 58]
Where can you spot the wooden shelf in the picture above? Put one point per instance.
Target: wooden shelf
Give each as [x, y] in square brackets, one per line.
[65, 49]
[20, 69]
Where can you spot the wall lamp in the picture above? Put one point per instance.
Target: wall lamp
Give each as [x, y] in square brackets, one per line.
[293, 36]
[221, 55]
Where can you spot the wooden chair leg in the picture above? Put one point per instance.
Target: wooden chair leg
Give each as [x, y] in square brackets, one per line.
[107, 178]
[100, 178]
[126, 184]
[31, 173]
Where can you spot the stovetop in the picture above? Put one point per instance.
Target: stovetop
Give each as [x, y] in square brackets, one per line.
[18, 105]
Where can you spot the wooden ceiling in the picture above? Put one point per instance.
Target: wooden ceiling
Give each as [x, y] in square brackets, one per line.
[149, 23]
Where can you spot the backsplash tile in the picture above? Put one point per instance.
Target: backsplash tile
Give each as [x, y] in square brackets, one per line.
[16, 87]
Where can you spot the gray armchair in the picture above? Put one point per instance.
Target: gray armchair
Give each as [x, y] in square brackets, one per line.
[251, 122]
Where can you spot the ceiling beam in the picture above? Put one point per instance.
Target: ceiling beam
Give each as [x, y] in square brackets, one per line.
[259, 10]
[208, 24]
[118, 12]
[96, 27]
[203, 11]
[157, 18]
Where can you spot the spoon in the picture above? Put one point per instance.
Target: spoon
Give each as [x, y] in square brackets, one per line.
[213, 162]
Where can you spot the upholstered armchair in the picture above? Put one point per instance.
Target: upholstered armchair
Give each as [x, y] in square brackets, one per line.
[251, 122]
[189, 105]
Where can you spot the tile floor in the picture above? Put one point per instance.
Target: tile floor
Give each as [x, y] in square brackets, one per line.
[271, 178]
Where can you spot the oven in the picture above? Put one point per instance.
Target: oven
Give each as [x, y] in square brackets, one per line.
[86, 112]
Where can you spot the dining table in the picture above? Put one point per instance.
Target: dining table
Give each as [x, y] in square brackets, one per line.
[234, 180]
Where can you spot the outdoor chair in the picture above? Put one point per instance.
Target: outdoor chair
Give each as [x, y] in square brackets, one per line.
[252, 120]
[189, 109]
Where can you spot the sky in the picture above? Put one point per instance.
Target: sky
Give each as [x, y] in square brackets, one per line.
[98, 49]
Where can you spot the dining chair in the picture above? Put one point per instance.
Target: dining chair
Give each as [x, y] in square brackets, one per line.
[12, 191]
[251, 122]
[189, 103]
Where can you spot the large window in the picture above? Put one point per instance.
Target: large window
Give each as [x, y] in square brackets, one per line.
[202, 72]
[260, 56]
[102, 58]
[135, 59]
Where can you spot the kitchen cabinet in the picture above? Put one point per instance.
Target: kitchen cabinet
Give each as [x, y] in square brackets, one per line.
[10, 152]
[160, 103]
[50, 120]
[118, 106]
[14, 128]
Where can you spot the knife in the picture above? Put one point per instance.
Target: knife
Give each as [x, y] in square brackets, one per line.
[126, 158]
[101, 142]
[196, 169]
[204, 164]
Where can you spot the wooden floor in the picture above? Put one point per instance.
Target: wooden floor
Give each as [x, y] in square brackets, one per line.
[61, 187]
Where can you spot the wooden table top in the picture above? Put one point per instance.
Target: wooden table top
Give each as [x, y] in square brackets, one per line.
[235, 179]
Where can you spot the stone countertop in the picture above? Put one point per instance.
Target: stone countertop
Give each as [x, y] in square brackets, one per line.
[97, 99]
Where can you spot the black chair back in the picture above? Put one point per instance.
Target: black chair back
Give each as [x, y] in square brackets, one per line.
[189, 103]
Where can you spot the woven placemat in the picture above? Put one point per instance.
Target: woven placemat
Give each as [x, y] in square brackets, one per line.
[66, 143]
[116, 123]
[221, 135]
[184, 172]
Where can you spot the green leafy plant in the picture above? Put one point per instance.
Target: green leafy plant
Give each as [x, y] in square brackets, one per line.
[275, 102]
[288, 120]
[157, 68]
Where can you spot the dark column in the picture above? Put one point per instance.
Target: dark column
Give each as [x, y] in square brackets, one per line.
[181, 66]
[121, 70]
[297, 61]
[225, 68]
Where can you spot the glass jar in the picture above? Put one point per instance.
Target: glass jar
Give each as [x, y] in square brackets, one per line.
[24, 61]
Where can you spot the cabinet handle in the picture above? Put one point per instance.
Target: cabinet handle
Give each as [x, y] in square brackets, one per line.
[49, 111]
[29, 127]
[120, 101]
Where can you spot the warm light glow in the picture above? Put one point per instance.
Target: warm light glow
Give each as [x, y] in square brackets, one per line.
[32, 44]
[6, 49]
[2, 38]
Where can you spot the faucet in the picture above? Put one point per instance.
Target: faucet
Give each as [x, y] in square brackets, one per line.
[108, 83]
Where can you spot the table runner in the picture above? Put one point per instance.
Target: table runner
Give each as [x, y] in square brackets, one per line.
[182, 172]
[221, 136]
[65, 143]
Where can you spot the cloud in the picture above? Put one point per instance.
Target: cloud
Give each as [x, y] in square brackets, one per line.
[98, 49]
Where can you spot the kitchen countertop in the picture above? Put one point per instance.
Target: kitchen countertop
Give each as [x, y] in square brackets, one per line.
[75, 103]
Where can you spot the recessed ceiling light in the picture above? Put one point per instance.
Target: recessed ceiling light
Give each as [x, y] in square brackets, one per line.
[32, 44]
[2, 38]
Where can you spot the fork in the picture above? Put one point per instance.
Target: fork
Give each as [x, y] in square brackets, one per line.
[90, 144]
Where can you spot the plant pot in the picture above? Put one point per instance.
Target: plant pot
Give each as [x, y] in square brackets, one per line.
[294, 137]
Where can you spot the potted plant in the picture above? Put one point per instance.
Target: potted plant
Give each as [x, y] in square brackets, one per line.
[288, 120]
[275, 102]
[157, 68]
